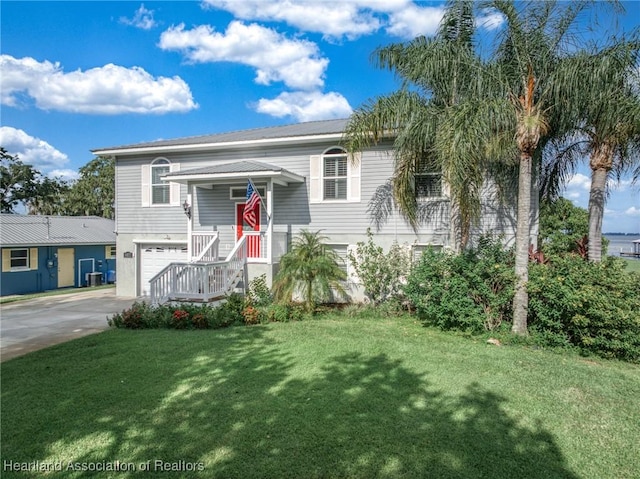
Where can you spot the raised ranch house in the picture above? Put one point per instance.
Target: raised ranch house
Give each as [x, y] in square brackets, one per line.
[41, 253]
[180, 203]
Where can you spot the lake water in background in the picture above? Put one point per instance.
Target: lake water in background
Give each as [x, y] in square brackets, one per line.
[618, 243]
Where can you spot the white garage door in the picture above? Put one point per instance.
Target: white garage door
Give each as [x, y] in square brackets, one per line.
[154, 257]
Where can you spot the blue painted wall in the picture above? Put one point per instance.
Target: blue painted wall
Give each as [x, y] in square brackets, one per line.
[46, 276]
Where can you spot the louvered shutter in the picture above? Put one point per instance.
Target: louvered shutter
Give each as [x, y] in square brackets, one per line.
[174, 188]
[315, 179]
[146, 185]
[353, 174]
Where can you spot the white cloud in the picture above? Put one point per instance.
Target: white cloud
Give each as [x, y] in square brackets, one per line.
[579, 181]
[142, 18]
[297, 63]
[490, 20]
[412, 21]
[65, 174]
[306, 106]
[108, 90]
[331, 18]
[33, 151]
[632, 211]
[349, 19]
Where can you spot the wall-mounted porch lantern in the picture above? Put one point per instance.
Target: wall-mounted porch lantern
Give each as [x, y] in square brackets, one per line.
[187, 208]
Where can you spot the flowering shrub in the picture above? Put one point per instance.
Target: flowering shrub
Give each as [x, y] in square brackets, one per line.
[251, 315]
[180, 319]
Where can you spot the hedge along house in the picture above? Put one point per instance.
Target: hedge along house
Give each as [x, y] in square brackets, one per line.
[181, 232]
[41, 253]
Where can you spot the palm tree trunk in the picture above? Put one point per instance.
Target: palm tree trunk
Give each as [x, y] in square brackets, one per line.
[596, 212]
[521, 297]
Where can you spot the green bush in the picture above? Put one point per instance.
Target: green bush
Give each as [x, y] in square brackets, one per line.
[382, 274]
[469, 292]
[592, 306]
[142, 315]
[259, 293]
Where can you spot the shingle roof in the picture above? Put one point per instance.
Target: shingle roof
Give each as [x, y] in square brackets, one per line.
[311, 128]
[29, 230]
[232, 167]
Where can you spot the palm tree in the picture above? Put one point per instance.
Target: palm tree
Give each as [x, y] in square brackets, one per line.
[311, 269]
[532, 61]
[435, 73]
[607, 130]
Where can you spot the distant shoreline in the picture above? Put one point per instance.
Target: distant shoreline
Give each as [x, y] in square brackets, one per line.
[621, 234]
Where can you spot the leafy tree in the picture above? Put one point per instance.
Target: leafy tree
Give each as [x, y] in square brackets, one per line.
[49, 197]
[562, 226]
[18, 181]
[94, 191]
[311, 269]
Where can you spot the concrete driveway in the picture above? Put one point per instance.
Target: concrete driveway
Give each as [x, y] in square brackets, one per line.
[33, 324]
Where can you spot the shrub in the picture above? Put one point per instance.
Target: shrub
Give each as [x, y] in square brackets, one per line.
[139, 315]
[251, 315]
[180, 319]
[259, 293]
[469, 292]
[592, 306]
[230, 312]
[382, 274]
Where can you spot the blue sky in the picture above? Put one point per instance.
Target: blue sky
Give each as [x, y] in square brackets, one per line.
[83, 75]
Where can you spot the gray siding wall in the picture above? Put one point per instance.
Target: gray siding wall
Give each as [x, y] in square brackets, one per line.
[343, 222]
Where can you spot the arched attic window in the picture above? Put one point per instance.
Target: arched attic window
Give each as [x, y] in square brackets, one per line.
[160, 190]
[334, 174]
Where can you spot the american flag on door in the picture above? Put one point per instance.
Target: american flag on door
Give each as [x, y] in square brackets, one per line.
[253, 199]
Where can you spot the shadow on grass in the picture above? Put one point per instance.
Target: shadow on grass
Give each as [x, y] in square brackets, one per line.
[244, 408]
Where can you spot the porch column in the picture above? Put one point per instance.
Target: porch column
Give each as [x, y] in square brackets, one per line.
[270, 220]
[190, 222]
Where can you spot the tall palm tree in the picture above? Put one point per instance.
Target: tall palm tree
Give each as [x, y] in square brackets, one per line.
[435, 74]
[607, 112]
[532, 59]
[311, 269]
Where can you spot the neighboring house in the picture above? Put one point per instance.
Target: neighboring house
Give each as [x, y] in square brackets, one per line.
[41, 253]
[182, 201]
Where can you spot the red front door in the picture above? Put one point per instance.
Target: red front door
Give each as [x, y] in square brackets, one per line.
[253, 242]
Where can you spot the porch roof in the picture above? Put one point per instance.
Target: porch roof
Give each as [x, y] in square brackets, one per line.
[234, 170]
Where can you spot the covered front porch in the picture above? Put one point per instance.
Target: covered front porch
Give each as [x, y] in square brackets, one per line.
[222, 247]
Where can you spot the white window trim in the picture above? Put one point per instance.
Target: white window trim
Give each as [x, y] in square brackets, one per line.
[316, 177]
[159, 163]
[333, 156]
[147, 185]
[443, 193]
[262, 191]
[20, 268]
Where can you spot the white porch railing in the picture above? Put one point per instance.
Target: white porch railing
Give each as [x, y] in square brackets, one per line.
[204, 246]
[258, 245]
[200, 281]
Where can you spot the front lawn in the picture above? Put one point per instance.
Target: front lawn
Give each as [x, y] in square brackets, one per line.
[333, 397]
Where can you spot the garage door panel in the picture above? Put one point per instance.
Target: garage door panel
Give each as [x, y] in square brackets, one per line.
[154, 257]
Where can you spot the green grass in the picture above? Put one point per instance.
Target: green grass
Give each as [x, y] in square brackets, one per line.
[56, 292]
[632, 264]
[334, 397]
